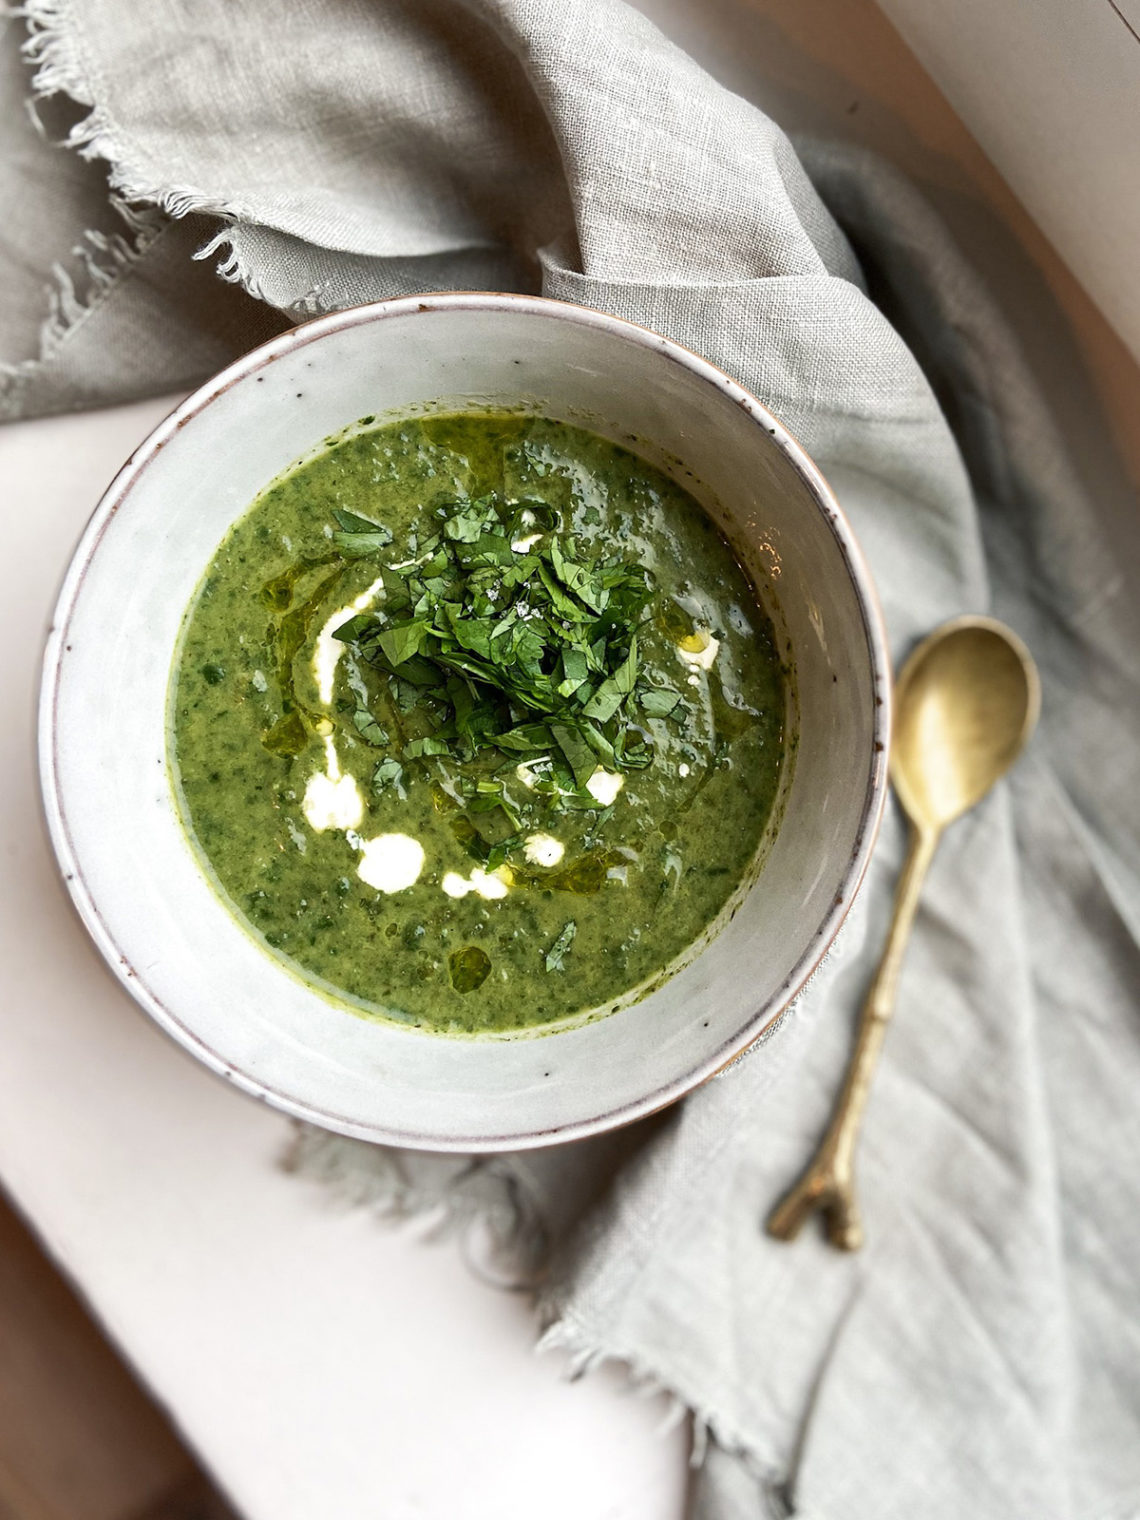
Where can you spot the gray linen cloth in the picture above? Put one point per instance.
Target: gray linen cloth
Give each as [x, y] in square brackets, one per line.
[982, 1356]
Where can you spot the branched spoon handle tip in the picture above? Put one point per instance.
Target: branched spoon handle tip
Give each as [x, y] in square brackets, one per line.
[835, 1201]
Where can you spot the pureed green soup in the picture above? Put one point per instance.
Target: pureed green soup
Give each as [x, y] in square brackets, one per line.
[477, 722]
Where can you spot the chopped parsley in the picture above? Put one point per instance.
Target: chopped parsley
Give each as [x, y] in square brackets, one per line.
[531, 651]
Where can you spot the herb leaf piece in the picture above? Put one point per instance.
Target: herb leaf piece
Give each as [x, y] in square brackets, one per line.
[401, 642]
[658, 701]
[357, 628]
[556, 955]
[368, 728]
[352, 522]
[579, 756]
[388, 773]
[359, 536]
[613, 691]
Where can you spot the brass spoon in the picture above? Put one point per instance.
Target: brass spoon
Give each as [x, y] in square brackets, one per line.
[965, 703]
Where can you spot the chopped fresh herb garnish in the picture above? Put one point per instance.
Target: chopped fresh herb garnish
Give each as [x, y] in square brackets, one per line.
[352, 522]
[556, 955]
[499, 852]
[598, 825]
[489, 855]
[358, 536]
[533, 652]
[658, 701]
[388, 773]
[368, 728]
[575, 745]
[419, 748]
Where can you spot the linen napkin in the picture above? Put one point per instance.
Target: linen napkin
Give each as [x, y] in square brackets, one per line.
[982, 1356]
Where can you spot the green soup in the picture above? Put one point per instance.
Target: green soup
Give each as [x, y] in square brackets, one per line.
[536, 767]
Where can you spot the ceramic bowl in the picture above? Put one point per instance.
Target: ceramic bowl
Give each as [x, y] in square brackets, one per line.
[139, 887]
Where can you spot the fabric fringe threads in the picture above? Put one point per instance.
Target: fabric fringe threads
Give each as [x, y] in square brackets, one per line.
[486, 1207]
[483, 1203]
[231, 268]
[237, 268]
[101, 261]
[234, 269]
[561, 1333]
[53, 50]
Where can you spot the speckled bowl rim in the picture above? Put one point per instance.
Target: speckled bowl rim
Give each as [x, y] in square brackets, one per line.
[714, 1061]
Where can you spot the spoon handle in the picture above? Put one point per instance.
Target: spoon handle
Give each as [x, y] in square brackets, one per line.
[828, 1184]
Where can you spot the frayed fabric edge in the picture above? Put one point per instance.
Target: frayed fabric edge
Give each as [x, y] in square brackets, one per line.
[483, 1203]
[101, 261]
[232, 269]
[235, 269]
[53, 49]
[486, 1193]
[560, 1332]
[480, 1192]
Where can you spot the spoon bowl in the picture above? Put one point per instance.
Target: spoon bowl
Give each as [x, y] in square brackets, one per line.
[968, 698]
